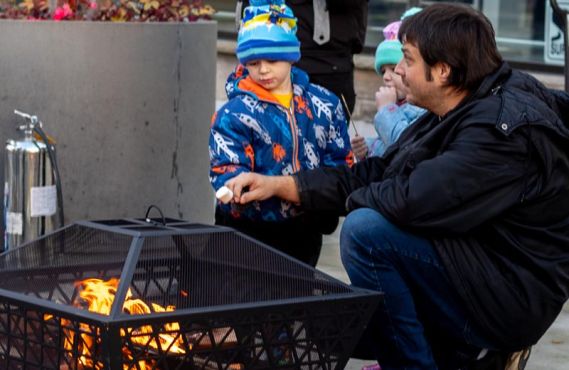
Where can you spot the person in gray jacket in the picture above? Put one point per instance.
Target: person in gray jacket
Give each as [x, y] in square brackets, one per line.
[463, 224]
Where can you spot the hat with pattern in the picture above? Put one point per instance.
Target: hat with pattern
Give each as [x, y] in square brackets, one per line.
[268, 31]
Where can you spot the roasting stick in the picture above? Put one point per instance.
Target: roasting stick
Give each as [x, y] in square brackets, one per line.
[349, 115]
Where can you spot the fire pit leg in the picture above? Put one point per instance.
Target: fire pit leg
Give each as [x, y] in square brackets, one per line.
[112, 344]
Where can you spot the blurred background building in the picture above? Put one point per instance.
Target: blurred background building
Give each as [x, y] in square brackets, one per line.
[528, 35]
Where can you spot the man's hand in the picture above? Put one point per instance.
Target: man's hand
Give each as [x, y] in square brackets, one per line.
[261, 187]
[359, 147]
[384, 96]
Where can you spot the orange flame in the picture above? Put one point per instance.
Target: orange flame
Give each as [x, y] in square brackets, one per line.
[99, 296]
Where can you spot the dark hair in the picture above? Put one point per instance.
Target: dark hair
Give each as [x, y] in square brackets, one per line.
[457, 35]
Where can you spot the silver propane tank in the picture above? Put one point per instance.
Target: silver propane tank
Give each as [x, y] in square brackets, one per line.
[32, 190]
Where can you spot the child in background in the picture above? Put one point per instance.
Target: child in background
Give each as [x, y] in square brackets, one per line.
[394, 114]
[275, 123]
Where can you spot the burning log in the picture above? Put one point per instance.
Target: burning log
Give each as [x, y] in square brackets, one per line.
[218, 337]
[98, 296]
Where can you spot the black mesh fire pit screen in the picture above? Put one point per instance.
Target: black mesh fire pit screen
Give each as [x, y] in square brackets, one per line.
[128, 294]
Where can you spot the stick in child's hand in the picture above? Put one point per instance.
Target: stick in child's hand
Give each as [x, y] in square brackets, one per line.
[349, 114]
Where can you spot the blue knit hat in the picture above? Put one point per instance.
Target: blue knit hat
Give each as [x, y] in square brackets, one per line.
[268, 31]
[389, 50]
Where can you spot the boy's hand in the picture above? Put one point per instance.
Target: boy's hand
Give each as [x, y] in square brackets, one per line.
[359, 147]
[385, 96]
[261, 187]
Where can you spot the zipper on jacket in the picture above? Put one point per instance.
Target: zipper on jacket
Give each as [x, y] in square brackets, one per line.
[292, 123]
[295, 143]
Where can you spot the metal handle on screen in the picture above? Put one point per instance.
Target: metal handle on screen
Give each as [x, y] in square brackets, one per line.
[149, 220]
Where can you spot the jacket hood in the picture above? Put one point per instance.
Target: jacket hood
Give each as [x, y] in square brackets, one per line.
[551, 108]
[240, 83]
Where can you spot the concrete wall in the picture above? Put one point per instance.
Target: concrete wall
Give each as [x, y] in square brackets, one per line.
[129, 106]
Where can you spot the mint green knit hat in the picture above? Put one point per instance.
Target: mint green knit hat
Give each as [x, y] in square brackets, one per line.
[389, 50]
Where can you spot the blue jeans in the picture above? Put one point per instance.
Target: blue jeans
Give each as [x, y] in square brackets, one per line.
[422, 323]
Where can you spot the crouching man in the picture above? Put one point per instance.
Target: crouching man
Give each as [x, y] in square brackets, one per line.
[463, 224]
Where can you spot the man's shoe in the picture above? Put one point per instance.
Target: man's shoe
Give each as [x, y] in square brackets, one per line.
[495, 360]
[518, 360]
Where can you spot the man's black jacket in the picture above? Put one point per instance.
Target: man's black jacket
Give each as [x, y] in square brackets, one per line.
[488, 184]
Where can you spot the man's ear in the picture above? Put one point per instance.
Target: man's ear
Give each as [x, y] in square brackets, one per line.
[441, 72]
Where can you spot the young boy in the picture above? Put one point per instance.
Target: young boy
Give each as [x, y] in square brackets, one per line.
[394, 114]
[275, 123]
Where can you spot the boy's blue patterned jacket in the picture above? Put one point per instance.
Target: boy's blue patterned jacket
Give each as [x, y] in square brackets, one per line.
[253, 132]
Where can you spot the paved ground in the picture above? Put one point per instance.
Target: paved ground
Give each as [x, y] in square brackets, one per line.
[551, 353]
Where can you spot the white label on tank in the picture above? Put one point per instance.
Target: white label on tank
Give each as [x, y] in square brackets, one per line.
[14, 223]
[43, 201]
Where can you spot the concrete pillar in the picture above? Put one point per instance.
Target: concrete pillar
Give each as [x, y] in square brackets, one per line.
[129, 105]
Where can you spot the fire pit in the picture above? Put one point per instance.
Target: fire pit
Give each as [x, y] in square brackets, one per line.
[129, 294]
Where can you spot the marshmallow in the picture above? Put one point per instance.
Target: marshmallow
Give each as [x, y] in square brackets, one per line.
[224, 194]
